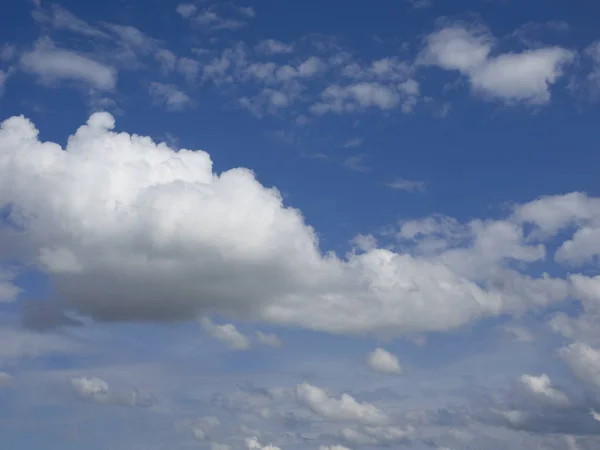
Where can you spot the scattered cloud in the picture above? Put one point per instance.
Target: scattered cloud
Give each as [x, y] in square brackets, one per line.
[353, 143]
[227, 334]
[186, 10]
[541, 388]
[513, 77]
[274, 47]
[383, 361]
[402, 184]
[344, 408]
[356, 163]
[53, 64]
[169, 96]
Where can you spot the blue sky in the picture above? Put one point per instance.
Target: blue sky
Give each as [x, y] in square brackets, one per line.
[276, 225]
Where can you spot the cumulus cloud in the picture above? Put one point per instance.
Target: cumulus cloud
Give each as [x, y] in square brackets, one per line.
[169, 96]
[95, 389]
[383, 361]
[128, 229]
[227, 334]
[541, 388]
[52, 64]
[343, 408]
[513, 77]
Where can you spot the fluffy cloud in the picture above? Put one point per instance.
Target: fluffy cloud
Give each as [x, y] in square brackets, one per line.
[131, 230]
[227, 333]
[254, 444]
[383, 361]
[95, 389]
[541, 388]
[512, 77]
[52, 64]
[344, 408]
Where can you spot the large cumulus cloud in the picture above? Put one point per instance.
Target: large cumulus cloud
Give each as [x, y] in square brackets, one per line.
[128, 229]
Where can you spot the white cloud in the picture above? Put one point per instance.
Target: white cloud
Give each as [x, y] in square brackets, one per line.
[169, 96]
[379, 435]
[344, 408]
[512, 77]
[402, 184]
[364, 242]
[227, 333]
[186, 10]
[383, 361]
[247, 11]
[541, 388]
[274, 47]
[254, 444]
[365, 95]
[54, 64]
[95, 389]
[270, 340]
[142, 232]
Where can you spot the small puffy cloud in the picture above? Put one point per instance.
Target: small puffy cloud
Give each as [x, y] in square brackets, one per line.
[227, 334]
[383, 361]
[95, 389]
[211, 20]
[52, 64]
[186, 10]
[274, 47]
[270, 340]
[246, 11]
[343, 408]
[169, 96]
[254, 444]
[512, 77]
[366, 95]
[402, 184]
[541, 388]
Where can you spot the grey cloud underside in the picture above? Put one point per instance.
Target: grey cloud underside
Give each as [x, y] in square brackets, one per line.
[130, 230]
